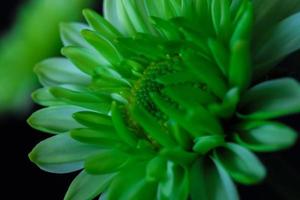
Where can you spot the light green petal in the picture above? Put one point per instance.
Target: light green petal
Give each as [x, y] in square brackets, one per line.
[271, 99]
[86, 186]
[274, 45]
[266, 136]
[61, 154]
[44, 97]
[70, 34]
[210, 181]
[242, 165]
[56, 71]
[116, 13]
[55, 119]
[137, 14]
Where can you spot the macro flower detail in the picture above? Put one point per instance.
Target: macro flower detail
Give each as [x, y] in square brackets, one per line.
[167, 99]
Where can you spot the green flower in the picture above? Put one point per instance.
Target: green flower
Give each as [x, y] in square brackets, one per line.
[157, 99]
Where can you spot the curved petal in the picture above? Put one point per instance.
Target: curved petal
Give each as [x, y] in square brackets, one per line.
[271, 12]
[55, 119]
[61, 154]
[241, 164]
[274, 45]
[130, 183]
[87, 186]
[57, 71]
[175, 186]
[266, 136]
[70, 34]
[210, 181]
[271, 99]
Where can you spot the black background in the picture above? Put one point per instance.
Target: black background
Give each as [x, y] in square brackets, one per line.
[23, 180]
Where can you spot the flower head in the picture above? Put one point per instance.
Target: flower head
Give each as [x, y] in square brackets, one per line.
[157, 100]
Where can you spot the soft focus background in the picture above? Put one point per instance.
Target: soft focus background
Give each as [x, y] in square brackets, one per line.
[29, 33]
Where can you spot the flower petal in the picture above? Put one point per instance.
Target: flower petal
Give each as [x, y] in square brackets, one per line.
[150, 125]
[210, 181]
[61, 154]
[85, 99]
[130, 183]
[87, 60]
[271, 99]
[242, 165]
[105, 47]
[266, 136]
[56, 71]
[101, 25]
[107, 161]
[55, 119]
[87, 186]
[70, 34]
[270, 13]
[175, 185]
[274, 45]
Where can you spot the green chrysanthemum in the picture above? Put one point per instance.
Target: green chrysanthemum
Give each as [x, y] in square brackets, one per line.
[156, 100]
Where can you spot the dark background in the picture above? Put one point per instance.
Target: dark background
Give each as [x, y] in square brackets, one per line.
[23, 180]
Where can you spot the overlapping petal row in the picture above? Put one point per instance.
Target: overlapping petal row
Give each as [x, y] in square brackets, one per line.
[157, 99]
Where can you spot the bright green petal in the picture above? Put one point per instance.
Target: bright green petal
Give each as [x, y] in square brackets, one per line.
[85, 99]
[101, 25]
[131, 184]
[93, 119]
[105, 47]
[107, 161]
[105, 137]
